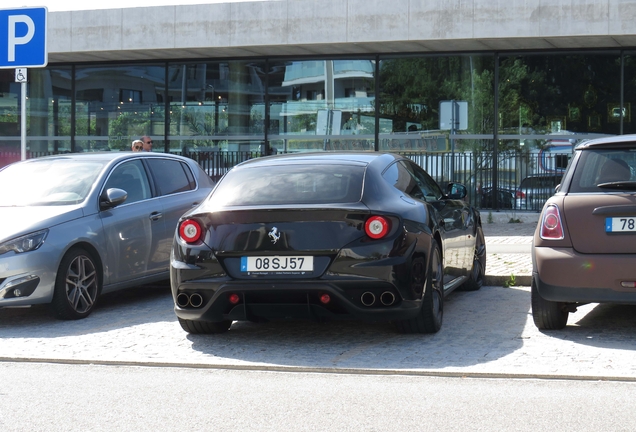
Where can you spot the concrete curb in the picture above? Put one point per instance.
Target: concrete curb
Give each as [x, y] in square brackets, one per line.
[329, 370]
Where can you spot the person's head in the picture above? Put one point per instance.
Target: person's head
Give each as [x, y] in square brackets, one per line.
[137, 146]
[147, 143]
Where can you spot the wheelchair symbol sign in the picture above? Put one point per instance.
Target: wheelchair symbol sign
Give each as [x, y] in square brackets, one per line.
[21, 75]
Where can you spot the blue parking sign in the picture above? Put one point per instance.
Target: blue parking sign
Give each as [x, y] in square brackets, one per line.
[23, 38]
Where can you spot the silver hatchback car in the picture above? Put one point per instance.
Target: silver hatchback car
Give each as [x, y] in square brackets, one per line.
[78, 225]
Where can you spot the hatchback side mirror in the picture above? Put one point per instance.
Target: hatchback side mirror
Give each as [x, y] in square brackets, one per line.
[112, 198]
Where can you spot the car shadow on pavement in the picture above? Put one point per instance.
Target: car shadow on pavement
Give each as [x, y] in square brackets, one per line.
[478, 327]
[610, 326]
[113, 311]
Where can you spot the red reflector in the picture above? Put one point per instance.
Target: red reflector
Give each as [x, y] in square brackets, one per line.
[234, 298]
[376, 227]
[630, 284]
[190, 231]
[324, 299]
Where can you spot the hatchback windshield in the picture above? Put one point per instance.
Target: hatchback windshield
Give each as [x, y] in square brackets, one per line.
[47, 182]
[290, 184]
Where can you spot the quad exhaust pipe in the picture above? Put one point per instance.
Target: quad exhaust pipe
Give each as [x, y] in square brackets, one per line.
[367, 298]
[184, 300]
[387, 298]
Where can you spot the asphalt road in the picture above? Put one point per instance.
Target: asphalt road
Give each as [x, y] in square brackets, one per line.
[68, 398]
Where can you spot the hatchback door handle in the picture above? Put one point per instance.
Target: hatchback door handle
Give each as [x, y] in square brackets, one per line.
[155, 216]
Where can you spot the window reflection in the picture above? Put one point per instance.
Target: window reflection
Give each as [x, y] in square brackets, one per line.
[322, 105]
[413, 99]
[48, 110]
[117, 104]
[217, 106]
[548, 101]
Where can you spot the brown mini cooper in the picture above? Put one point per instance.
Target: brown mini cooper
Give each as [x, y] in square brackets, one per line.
[584, 248]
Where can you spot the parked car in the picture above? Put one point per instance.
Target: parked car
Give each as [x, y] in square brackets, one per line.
[79, 225]
[505, 198]
[534, 190]
[326, 235]
[583, 250]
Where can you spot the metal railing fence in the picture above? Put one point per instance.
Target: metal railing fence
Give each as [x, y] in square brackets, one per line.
[515, 181]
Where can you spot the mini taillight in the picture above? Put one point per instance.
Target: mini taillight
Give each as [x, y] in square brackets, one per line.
[520, 194]
[551, 226]
[376, 227]
[190, 231]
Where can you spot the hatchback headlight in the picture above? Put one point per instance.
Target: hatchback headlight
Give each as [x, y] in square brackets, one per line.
[24, 243]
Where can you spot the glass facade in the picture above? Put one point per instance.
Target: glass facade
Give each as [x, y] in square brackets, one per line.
[321, 105]
[487, 120]
[116, 104]
[217, 106]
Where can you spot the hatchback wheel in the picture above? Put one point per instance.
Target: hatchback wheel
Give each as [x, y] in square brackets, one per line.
[77, 286]
[547, 315]
[429, 319]
[204, 327]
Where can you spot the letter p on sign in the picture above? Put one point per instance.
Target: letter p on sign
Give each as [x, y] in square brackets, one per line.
[19, 40]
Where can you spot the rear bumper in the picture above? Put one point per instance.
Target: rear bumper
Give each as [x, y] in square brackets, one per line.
[564, 275]
[294, 300]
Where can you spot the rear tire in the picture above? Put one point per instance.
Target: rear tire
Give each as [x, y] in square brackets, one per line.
[430, 317]
[204, 327]
[476, 279]
[77, 285]
[547, 315]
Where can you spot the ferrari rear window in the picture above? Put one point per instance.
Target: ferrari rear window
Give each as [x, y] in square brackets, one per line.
[290, 184]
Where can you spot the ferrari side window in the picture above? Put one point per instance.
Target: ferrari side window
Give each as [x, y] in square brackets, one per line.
[418, 186]
[430, 187]
[399, 177]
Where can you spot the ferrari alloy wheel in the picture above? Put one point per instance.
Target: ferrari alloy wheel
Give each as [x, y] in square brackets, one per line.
[476, 277]
[430, 317]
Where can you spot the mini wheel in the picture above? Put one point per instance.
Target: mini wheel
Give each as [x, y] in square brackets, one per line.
[547, 315]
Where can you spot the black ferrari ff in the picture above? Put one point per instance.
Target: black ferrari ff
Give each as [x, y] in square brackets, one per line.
[367, 236]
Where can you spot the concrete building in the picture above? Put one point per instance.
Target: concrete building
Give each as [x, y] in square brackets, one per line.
[430, 77]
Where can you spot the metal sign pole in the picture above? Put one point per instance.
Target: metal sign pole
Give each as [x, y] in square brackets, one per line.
[23, 122]
[21, 77]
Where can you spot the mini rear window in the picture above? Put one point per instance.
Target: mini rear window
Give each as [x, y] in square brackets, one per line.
[603, 166]
[290, 184]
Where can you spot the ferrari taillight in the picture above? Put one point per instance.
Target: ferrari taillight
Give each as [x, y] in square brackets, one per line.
[551, 225]
[377, 227]
[190, 231]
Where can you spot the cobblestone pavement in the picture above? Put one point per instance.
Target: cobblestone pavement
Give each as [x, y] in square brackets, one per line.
[485, 333]
[501, 266]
